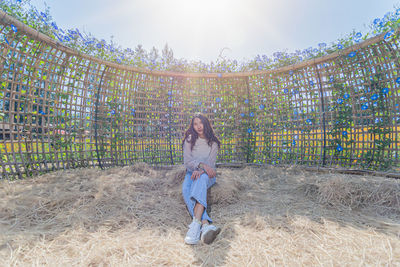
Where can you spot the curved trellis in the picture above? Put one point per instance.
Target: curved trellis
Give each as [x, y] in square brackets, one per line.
[63, 109]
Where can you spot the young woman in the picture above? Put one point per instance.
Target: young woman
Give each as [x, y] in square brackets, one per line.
[200, 148]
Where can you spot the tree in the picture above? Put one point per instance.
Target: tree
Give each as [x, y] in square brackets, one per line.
[167, 56]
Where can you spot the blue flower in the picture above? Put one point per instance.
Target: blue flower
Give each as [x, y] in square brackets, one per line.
[169, 92]
[119, 60]
[322, 45]
[398, 80]
[251, 114]
[42, 112]
[246, 101]
[218, 99]
[161, 80]
[331, 79]
[112, 112]
[344, 133]
[259, 67]
[385, 91]
[339, 148]
[388, 35]
[14, 28]
[352, 54]
[242, 114]
[377, 120]
[99, 45]
[309, 121]
[199, 103]
[5, 39]
[261, 106]
[66, 38]
[375, 97]
[364, 106]
[311, 82]
[277, 55]
[286, 90]
[58, 37]
[43, 15]
[54, 25]
[346, 96]
[339, 101]
[294, 142]
[340, 46]
[358, 35]
[249, 130]
[291, 73]
[377, 21]
[132, 111]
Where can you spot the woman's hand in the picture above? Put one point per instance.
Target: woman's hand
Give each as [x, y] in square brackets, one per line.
[196, 174]
[210, 171]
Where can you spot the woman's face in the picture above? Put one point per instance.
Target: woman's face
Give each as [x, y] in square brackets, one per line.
[198, 127]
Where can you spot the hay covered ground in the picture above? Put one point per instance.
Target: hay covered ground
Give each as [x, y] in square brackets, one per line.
[135, 216]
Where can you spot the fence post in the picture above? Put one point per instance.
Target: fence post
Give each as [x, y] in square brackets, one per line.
[248, 109]
[96, 117]
[170, 121]
[322, 110]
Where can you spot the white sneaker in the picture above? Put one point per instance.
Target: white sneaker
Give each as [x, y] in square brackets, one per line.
[193, 234]
[209, 232]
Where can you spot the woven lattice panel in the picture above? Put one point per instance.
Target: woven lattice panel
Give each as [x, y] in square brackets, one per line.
[63, 109]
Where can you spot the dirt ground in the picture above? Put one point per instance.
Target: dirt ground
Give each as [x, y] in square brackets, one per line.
[135, 216]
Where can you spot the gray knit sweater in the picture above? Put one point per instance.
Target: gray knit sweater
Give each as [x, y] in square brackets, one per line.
[201, 152]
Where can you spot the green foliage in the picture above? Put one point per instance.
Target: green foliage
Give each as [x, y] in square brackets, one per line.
[154, 60]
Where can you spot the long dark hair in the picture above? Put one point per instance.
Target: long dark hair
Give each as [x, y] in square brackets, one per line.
[208, 132]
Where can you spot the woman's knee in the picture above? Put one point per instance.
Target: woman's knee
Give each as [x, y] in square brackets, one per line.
[204, 177]
[186, 182]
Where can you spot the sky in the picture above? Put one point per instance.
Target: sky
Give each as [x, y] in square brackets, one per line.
[206, 29]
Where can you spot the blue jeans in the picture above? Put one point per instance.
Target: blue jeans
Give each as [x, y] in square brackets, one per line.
[196, 191]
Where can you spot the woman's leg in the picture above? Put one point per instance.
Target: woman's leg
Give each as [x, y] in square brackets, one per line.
[187, 184]
[195, 195]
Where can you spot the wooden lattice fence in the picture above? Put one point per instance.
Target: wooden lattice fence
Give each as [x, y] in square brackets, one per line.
[63, 109]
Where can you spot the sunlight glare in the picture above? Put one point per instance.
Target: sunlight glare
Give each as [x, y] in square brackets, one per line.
[217, 23]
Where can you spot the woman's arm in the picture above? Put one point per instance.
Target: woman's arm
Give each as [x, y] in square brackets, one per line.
[212, 158]
[190, 163]
[209, 165]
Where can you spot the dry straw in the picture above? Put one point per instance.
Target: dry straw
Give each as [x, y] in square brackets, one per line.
[135, 216]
